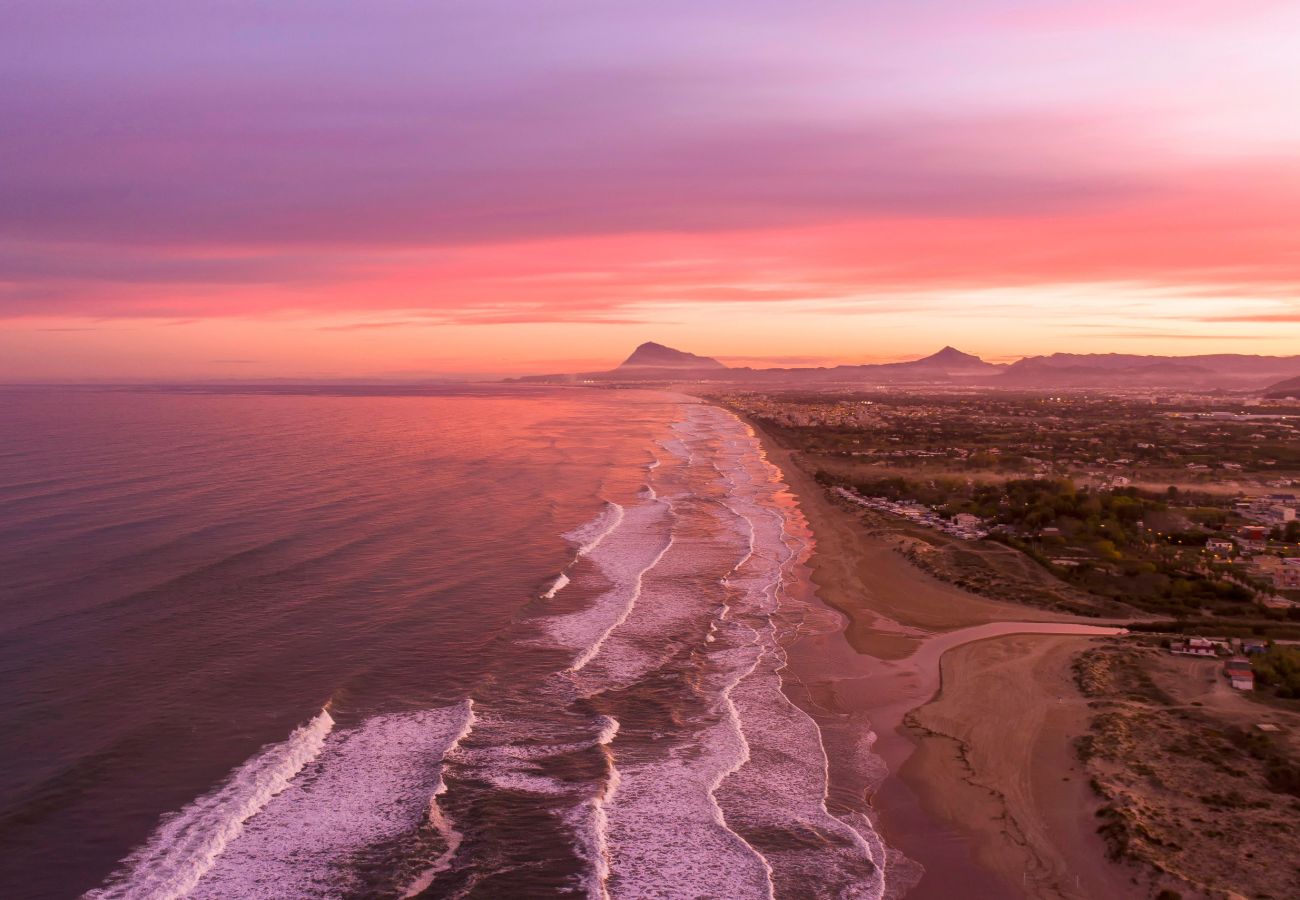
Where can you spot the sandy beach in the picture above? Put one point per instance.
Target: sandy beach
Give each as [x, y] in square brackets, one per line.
[974, 712]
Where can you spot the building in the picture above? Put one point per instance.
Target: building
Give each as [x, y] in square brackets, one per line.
[1287, 575]
[1220, 546]
[1275, 509]
[1252, 537]
[1239, 673]
[1194, 647]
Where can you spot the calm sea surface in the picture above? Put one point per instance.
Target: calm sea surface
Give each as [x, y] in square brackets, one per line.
[480, 642]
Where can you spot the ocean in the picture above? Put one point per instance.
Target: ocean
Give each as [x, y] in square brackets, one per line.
[479, 641]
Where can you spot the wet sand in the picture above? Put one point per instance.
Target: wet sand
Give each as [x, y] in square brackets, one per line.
[976, 787]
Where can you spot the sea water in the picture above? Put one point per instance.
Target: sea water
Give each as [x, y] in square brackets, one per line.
[455, 642]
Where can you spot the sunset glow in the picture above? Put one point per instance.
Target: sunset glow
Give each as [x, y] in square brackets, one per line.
[500, 187]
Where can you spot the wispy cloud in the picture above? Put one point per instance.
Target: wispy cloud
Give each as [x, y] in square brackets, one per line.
[1255, 317]
[369, 326]
[1177, 336]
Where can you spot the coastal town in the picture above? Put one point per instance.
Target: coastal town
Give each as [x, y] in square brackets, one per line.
[1184, 508]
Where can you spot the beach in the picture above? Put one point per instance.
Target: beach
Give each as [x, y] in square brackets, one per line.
[973, 714]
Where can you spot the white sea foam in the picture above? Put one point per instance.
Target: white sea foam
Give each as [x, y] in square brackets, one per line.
[187, 844]
[608, 730]
[760, 767]
[667, 837]
[786, 780]
[370, 784]
[286, 822]
[560, 583]
[589, 535]
[631, 593]
[594, 831]
[439, 821]
[624, 552]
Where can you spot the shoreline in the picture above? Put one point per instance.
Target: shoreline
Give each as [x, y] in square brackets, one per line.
[910, 665]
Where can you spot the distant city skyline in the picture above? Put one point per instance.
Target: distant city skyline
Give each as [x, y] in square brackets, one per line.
[500, 187]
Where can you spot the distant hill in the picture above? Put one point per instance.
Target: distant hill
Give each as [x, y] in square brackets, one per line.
[655, 362]
[1216, 370]
[656, 356]
[1222, 371]
[1284, 389]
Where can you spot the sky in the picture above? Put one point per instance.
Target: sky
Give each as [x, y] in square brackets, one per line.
[432, 188]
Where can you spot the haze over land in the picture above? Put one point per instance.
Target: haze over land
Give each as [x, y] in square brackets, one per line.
[325, 190]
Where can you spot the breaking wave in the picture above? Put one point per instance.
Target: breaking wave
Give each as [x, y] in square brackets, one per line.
[315, 816]
[188, 843]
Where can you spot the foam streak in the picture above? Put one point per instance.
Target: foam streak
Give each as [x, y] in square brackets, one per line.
[186, 845]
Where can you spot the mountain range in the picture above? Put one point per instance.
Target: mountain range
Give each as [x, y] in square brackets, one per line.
[1228, 371]
[1284, 389]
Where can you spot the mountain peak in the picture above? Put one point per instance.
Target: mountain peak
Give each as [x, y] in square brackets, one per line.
[952, 358]
[951, 354]
[657, 356]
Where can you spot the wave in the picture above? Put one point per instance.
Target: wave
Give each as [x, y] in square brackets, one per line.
[560, 583]
[666, 834]
[594, 839]
[439, 821]
[589, 535]
[314, 816]
[633, 593]
[364, 809]
[787, 780]
[749, 780]
[733, 721]
[648, 491]
[188, 843]
[622, 547]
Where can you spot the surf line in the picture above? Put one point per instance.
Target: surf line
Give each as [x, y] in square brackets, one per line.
[596, 841]
[738, 728]
[440, 821]
[588, 537]
[186, 846]
[590, 653]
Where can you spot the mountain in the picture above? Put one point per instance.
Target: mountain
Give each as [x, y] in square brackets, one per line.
[655, 362]
[1221, 371]
[1284, 389]
[950, 360]
[1214, 370]
[656, 356]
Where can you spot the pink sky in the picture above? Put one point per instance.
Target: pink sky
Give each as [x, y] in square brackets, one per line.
[494, 187]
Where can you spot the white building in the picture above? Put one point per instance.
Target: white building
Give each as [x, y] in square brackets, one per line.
[1287, 576]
